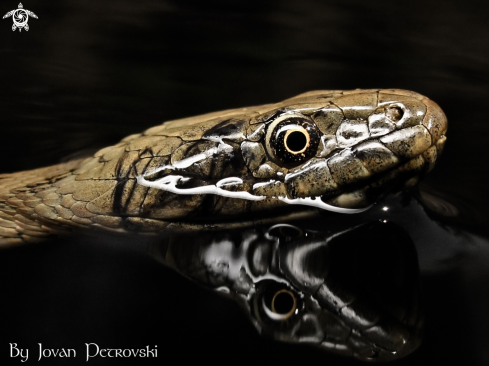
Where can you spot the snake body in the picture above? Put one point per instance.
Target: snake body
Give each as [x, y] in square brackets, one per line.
[333, 150]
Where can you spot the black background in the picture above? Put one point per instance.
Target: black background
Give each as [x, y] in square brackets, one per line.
[87, 74]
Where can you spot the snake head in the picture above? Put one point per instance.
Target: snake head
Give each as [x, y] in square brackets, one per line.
[353, 148]
[339, 151]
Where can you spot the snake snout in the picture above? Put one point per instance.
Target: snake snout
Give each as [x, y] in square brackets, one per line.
[436, 123]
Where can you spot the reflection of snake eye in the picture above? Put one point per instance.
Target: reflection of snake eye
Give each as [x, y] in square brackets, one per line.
[284, 303]
[276, 304]
[292, 139]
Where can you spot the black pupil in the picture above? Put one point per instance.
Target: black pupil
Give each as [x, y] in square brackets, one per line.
[296, 141]
[283, 303]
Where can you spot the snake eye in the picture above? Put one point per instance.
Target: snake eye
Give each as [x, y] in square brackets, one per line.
[276, 304]
[292, 139]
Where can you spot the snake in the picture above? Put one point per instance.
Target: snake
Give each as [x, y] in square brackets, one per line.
[338, 151]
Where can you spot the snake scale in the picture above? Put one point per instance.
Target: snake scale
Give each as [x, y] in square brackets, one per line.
[333, 150]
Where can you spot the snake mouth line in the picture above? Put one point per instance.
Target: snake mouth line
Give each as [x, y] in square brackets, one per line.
[170, 183]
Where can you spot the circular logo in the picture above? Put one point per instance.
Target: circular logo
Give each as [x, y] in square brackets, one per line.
[20, 18]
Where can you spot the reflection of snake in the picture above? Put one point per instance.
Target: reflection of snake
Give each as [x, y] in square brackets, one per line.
[352, 291]
[332, 150]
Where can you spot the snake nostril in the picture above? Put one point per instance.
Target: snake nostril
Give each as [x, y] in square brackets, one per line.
[395, 114]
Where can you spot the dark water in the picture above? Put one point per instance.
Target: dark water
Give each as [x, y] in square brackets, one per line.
[86, 75]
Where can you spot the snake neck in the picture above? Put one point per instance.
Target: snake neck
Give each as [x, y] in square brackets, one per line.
[29, 204]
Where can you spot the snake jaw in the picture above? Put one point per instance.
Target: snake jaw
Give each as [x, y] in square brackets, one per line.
[230, 187]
